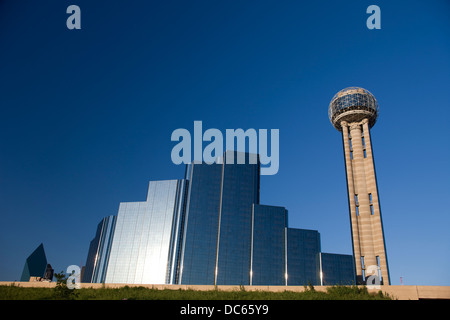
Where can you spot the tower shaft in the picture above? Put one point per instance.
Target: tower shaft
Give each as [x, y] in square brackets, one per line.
[365, 215]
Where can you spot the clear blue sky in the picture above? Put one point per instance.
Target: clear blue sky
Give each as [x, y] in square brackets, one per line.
[87, 115]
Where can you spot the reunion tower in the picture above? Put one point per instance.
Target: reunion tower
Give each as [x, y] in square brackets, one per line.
[354, 111]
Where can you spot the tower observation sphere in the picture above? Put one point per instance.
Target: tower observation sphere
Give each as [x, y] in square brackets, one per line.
[352, 105]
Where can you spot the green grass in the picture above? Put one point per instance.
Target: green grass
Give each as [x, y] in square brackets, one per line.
[141, 293]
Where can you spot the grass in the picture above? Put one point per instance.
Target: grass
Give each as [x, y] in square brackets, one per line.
[140, 293]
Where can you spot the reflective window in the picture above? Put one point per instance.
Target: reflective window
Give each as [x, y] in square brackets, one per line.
[240, 192]
[303, 247]
[201, 224]
[99, 251]
[337, 269]
[268, 251]
[141, 245]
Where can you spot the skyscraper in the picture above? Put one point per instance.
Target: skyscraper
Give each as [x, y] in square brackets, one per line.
[218, 221]
[354, 111]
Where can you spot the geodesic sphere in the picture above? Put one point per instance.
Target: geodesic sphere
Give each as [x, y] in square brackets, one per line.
[353, 104]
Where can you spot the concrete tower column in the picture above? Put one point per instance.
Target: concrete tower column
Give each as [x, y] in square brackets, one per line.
[378, 243]
[367, 231]
[353, 111]
[351, 187]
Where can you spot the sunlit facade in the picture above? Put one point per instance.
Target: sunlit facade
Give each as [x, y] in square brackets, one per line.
[210, 229]
[142, 248]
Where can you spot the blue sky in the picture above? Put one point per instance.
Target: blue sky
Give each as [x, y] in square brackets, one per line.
[87, 115]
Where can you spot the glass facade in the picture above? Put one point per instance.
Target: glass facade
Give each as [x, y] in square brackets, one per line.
[176, 235]
[99, 250]
[199, 248]
[240, 190]
[35, 264]
[268, 265]
[303, 265]
[209, 229]
[337, 269]
[141, 247]
[218, 222]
